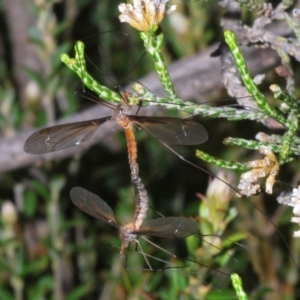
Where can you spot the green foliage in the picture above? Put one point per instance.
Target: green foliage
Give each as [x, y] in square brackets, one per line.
[49, 249]
[237, 284]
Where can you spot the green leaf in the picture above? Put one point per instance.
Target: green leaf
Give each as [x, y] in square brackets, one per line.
[5, 294]
[36, 266]
[78, 293]
[36, 76]
[30, 203]
[41, 189]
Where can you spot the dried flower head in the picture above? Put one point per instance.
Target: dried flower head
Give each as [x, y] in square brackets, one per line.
[291, 197]
[295, 202]
[144, 15]
[267, 167]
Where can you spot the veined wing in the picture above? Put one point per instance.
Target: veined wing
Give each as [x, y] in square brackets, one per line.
[93, 205]
[169, 227]
[174, 131]
[62, 136]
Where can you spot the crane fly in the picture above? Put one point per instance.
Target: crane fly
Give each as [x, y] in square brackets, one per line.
[169, 130]
[167, 227]
[164, 227]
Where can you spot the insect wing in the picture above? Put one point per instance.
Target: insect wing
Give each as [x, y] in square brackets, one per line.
[62, 136]
[174, 131]
[170, 227]
[93, 205]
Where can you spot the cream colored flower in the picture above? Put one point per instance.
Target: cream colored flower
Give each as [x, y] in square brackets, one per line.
[144, 15]
[218, 191]
[8, 213]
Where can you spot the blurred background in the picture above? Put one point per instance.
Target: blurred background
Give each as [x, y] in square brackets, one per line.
[52, 250]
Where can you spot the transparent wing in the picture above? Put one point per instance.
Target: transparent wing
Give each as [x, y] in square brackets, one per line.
[169, 227]
[62, 136]
[93, 205]
[174, 131]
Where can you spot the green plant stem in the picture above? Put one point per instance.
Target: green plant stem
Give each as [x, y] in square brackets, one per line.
[78, 66]
[255, 145]
[252, 88]
[293, 118]
[153, 44]
[221, 163]
[229, 113]
[237, 284]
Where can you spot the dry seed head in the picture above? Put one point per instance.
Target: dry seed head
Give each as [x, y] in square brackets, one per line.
[296, 233]
[267, 167]
[247, 188]
[262, 137]
[295, 201]
[269, 183]
[292, 198]
[266, 151]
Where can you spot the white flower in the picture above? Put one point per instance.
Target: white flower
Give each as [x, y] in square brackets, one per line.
[144, 15]
[295, 203]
